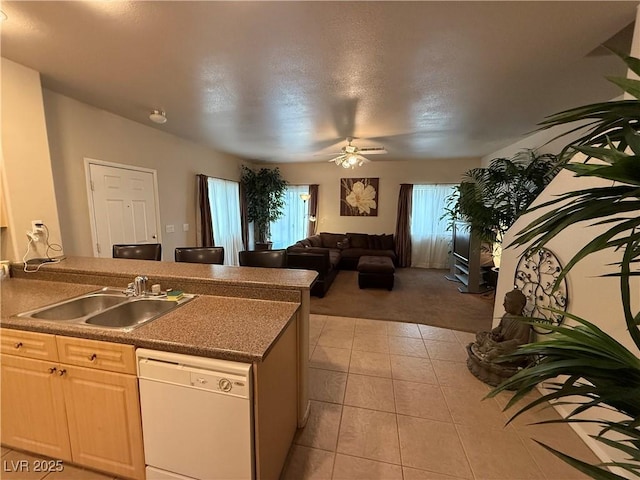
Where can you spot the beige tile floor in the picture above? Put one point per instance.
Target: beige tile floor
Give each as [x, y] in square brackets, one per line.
[17, 465]
[395, 400]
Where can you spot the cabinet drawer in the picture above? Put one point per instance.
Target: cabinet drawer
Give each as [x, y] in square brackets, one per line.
[41, 346]
[114, 357]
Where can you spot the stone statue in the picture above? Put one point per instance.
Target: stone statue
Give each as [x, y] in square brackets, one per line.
[510, 333]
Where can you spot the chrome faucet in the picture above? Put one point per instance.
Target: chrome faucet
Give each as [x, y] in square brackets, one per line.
[140, 286]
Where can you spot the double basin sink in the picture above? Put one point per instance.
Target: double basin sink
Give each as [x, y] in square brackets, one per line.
[107, 308]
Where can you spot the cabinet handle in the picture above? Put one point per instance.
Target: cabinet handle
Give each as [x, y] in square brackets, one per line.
[52, 370]
[62, 372]
[92, 357]
[18, 345]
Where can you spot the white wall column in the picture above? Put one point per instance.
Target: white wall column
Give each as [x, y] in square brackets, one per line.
[27, 180]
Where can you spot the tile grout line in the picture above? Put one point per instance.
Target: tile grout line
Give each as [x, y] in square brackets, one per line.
[466, 455]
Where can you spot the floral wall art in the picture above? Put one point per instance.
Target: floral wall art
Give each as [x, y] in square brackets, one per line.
[359, 197]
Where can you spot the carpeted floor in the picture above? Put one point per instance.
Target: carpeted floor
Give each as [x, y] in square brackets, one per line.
[419, 296]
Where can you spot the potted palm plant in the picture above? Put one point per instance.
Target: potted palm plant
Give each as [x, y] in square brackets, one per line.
[491, 199]
[582, 365]
[264, 190]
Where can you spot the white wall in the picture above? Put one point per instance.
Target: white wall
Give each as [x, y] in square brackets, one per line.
[391, 174]
[27, 184]
[591, 296]
[77, 130]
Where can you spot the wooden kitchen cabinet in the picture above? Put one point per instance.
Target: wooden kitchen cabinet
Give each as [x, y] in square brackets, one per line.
[39, 346]
[85, 415]
[33, 407]
[103, 414]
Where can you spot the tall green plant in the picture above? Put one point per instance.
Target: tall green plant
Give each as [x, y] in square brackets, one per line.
[589, 368]
[492, 198]
[264, 190]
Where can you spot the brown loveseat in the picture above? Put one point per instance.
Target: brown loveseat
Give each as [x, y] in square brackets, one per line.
[326, 253]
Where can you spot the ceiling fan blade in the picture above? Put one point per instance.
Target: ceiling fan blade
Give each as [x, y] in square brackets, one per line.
[372, 150]
[324, 154]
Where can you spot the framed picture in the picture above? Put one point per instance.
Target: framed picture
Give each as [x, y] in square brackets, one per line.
[359, 197]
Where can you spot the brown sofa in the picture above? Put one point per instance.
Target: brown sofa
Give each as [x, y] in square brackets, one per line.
[326, 253]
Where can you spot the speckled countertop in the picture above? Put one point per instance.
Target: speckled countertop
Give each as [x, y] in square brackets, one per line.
[283, 278]
[229, 328]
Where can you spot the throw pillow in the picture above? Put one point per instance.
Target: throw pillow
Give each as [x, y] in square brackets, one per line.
[330, 240]
[358, 240]
[343, 244]
[315, 240]
[375, 242]
[387, 242]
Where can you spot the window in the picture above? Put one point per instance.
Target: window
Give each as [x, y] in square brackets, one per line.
[429, 236]
[293, 225]
[224, 198]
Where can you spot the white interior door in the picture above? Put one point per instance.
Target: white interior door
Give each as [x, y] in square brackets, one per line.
[124, 206]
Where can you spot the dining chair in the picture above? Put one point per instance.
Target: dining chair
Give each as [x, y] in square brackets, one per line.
[143, 251]
[263, 258]
[212, 255]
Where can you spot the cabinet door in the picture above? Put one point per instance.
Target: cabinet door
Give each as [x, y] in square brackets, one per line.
[105, 430]
[33, 412]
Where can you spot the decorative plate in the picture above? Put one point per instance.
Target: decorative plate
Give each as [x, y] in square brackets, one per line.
[536, 275]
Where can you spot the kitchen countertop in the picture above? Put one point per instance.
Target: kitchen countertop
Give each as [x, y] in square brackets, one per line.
[229, 328]
[282, 278]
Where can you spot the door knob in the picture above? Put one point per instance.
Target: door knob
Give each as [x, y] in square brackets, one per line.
[52, 370]
[18, 345]
[153, 236]
[62, 372]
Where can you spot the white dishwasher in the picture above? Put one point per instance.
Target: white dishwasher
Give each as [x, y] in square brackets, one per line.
[197, 420]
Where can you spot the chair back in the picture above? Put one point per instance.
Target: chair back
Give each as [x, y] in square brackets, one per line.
[263, 258]
[212, 255]
[143, 251]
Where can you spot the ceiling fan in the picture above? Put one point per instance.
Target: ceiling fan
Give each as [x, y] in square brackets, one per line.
[351, 156]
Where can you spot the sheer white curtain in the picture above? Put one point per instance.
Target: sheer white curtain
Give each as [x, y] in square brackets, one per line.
[225, 216]
[429, 236]
[292, 226]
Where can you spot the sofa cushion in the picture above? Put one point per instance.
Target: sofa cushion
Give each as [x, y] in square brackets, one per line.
[315, 240]
[334, 258]
[330, 240]
[387, 242]
[359, 252]
[315, 250]
[375, 242]
[358, 240]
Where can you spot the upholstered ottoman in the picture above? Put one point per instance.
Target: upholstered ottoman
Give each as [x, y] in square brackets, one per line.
[375, 272]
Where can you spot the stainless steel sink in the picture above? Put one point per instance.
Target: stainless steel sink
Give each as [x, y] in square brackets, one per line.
[132, 313]
[79, 307]
[107, 308]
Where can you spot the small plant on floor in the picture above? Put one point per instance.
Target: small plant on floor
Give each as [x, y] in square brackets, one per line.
[585, 367]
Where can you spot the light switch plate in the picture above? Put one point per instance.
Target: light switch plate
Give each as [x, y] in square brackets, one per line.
[185, 227]
[170, 228]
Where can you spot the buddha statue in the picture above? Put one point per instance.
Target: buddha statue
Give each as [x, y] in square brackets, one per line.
[505, 338]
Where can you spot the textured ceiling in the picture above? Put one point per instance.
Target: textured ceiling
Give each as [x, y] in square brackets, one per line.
[279, 81]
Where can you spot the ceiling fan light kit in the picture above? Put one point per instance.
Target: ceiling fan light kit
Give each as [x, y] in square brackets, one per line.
[351, 156]
[158, 116]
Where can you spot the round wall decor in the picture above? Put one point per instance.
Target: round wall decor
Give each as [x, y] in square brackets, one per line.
[536, 274]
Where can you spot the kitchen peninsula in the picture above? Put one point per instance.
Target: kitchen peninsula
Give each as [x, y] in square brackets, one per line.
[252, 315]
